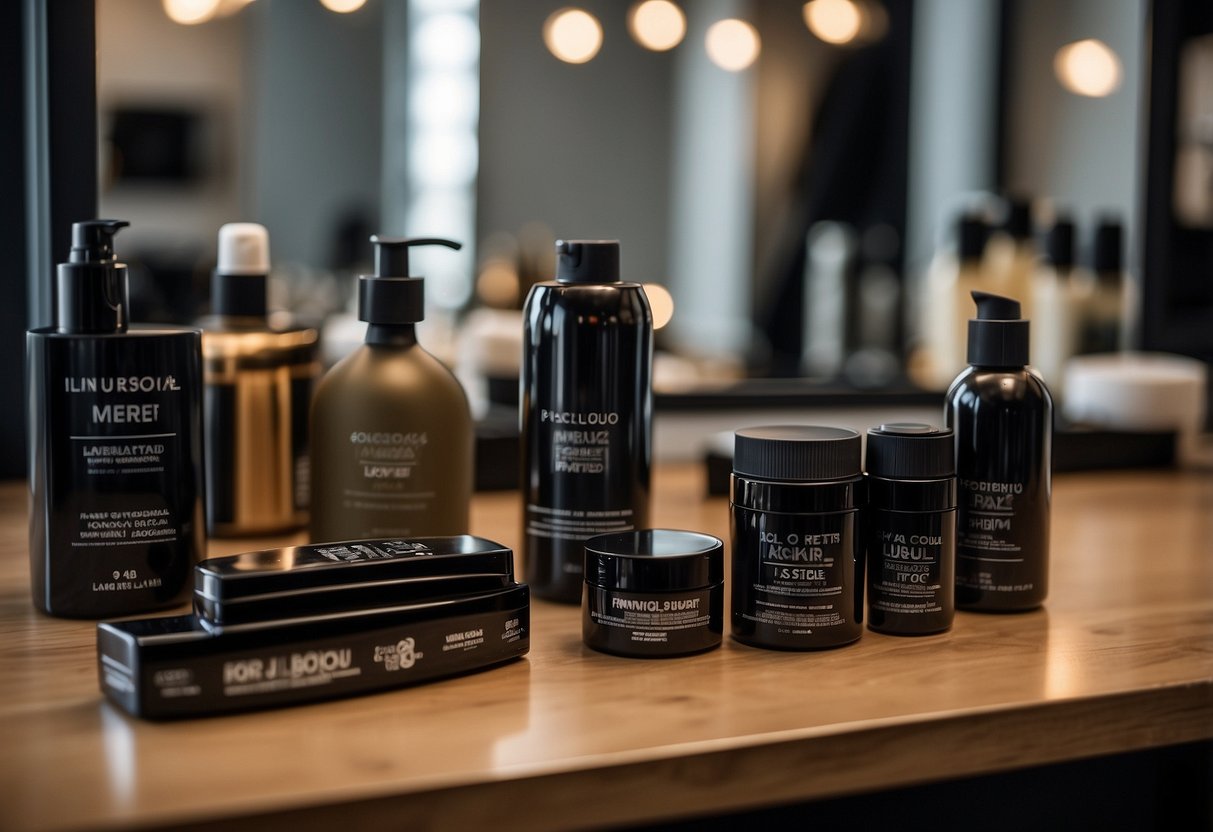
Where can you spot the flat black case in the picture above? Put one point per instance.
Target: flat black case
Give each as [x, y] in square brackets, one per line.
[179, 666]
[347, 576]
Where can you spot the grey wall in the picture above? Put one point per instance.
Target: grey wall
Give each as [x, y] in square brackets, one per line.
[1084, 152]
[583, 148]
[315, 122]
[953, 108]
[143, 58]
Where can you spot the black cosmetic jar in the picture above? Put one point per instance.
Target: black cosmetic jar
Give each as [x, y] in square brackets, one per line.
[911, 529]
[654, 593]
[795, 496]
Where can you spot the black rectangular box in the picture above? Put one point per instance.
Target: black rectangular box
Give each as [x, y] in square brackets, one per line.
[181, 666]
[346, 576]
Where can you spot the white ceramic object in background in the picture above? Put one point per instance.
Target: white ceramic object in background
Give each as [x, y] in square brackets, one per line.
[1142, 391]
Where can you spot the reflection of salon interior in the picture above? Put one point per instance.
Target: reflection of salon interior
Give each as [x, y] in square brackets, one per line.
[809, 191]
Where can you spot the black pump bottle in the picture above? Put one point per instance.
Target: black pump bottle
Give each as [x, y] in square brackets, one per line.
[1002, 416]
[115, 453]
[586, 412]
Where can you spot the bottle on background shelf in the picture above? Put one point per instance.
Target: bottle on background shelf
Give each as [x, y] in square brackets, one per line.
[257, 391]
[1102, 308]
[954, 273]
[1011, 253]
[1057, 289]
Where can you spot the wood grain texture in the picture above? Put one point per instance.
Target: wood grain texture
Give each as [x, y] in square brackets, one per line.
[1121, 658]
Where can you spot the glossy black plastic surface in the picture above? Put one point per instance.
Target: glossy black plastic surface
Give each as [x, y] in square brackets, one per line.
[911, 529]
[338, 577]
[797, 571]
[179, 666]
[1003, 420]
[911, 572]
[650, 625]
[586, 425]
[654, 560]
[115, 469]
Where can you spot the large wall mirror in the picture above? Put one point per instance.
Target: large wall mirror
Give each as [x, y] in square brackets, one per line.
[787, 171]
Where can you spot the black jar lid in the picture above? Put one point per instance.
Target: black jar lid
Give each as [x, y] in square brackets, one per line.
[654, 560]
[909, 450]
[797, 452]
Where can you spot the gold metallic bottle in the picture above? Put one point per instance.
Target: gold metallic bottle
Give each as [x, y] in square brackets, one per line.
[392, 432]
[257, 390]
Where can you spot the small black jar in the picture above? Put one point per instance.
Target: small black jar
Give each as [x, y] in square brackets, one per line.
[654, 593]
[911, 529]
[795, 494]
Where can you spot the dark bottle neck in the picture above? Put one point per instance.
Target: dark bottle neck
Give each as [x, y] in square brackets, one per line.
[92, 298]
[391, 335]
[239, 295]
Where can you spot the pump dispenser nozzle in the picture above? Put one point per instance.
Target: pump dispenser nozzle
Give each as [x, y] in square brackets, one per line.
[92, 288]
[392, 253]
[995, 307]
[998, 337]
[93, 240]
[391, 295]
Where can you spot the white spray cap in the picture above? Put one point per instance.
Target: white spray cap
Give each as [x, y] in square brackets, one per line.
[244, 248]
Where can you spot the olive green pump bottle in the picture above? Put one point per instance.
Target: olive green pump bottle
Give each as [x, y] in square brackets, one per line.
[391, 430]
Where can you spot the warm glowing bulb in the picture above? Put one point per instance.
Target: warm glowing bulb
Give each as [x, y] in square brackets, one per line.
[498, 283]
[573, 35]
[1088, 67]
[190, 12]
[657, 24]
[661, 302]
[732, 44]
[834, 21]
[343, 6]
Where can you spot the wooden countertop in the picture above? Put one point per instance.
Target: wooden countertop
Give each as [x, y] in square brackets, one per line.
[1121, 658]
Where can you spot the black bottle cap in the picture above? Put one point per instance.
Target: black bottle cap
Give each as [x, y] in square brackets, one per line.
[391, 295]
[1017, 219]
[971, 233]
[654, 560]
[998, 337]
[587, 261]
[1108, 249]
[93, 295]
[911, 451]
[797, 452]
[1059, 243]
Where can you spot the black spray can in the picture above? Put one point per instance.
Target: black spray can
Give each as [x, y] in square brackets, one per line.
[911, 529]
[586, 413]
[1002, 414]
[795, 496]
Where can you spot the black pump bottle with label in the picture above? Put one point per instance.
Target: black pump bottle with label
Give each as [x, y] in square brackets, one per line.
[586, 413]
[1002, 416]
[115, 445]
[392, 435]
